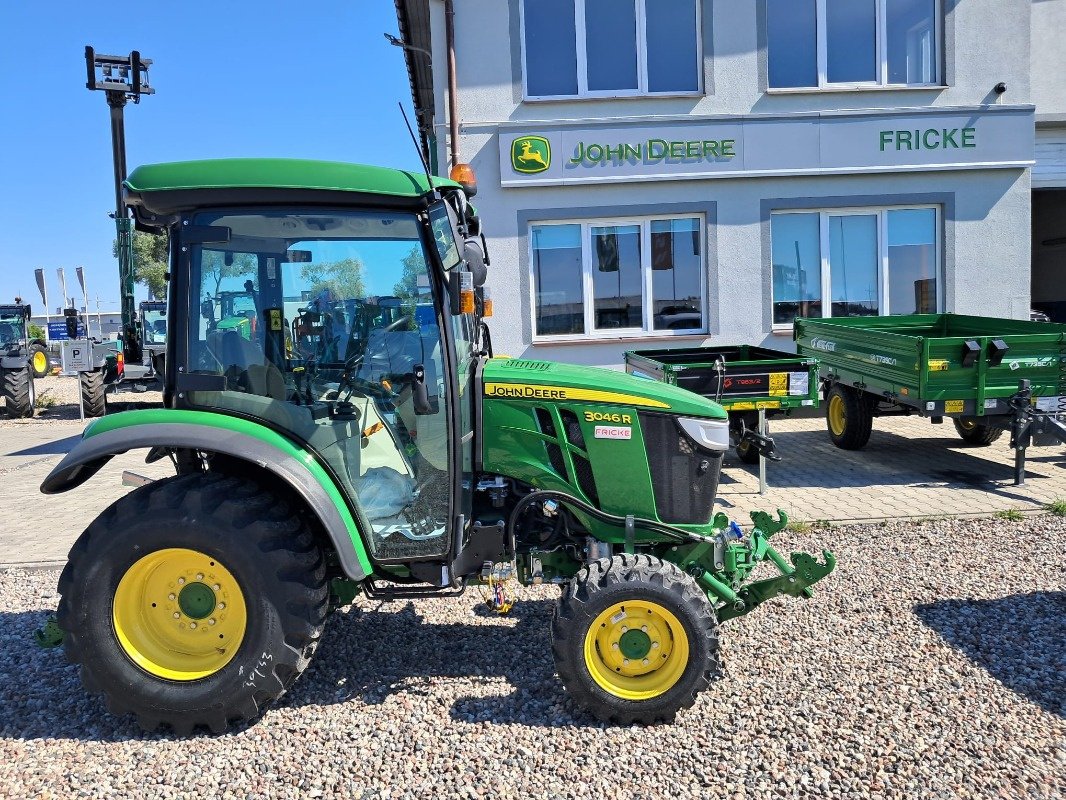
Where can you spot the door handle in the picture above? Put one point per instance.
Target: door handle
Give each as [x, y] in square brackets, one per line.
[420, 393]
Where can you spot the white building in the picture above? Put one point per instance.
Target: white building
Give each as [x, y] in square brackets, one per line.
[702, 171]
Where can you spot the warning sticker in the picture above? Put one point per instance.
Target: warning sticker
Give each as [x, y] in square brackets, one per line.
[799, 383]
[778, 383]
[953, 406]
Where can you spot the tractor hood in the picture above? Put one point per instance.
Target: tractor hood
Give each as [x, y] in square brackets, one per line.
[548, 380]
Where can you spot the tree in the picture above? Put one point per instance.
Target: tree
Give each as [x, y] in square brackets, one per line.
[149, 262]
[213, 267]
[344, 279]
[36, 331]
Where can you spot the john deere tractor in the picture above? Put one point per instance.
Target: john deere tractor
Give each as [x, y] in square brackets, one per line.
[359, 438]
[21, 359]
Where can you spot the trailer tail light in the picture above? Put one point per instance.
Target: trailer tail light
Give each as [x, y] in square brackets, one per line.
[120, 363]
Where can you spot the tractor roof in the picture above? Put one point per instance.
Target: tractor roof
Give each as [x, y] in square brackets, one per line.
[158, 191]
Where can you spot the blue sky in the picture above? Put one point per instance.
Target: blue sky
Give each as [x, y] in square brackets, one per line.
[233, 78]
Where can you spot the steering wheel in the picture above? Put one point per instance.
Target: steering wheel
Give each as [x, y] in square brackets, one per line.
[402, 324]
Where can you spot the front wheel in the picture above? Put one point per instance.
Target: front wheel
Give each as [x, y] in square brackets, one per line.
[20, 395]
[193, 601]
[635, 640]
[93, 393]
[974, 432]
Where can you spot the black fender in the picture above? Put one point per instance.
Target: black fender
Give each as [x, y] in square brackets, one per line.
[93, 452]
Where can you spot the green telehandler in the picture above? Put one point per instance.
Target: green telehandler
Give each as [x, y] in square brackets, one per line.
[22, 359]
[359, 437]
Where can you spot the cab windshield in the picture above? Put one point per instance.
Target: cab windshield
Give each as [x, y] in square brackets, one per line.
[324, 324]
[10, 327]
[155, 326]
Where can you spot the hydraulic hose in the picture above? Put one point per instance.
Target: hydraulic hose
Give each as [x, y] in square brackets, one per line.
[669, 531]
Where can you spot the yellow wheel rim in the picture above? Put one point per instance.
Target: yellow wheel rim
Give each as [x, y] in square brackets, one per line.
[967, 424]
[636, 650]
[837, 415]
[40, 362]
[179, 614]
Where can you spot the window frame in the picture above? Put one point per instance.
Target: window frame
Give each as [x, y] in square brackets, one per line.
[587, 286]
[880, 53]
[881, 212]
[583, 92]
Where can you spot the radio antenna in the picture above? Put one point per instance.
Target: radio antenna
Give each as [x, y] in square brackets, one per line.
[421, 155]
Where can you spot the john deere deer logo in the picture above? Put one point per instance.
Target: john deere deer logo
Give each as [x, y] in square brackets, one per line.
[530, 154]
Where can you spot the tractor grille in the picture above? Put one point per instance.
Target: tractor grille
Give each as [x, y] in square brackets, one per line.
[684, 476]
[544, 421]
[573, 428]
[555, 458]
[585, 480]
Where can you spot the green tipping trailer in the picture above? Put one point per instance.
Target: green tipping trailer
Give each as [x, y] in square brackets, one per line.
[987, 374]
[743, 379]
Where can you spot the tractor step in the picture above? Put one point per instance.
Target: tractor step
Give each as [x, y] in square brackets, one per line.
[408, 592]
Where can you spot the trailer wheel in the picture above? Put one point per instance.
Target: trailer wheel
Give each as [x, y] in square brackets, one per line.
[634, 640]
[93, 393]
[748, 454]
[849, 418]
[193, 601]
[974, 432]
[20, 395]
[39, 361]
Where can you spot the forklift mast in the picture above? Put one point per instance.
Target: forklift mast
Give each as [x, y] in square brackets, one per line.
[121, 78]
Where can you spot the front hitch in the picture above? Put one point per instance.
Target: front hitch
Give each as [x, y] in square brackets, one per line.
[722, 564]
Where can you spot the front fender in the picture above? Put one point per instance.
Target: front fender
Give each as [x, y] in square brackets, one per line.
[215, 433]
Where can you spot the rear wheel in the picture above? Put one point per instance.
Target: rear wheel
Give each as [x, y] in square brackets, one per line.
[849, 418]
[93, 393]
[635, 640]
[199, 613]
[39, 362]
[20, 395]
[974, 432]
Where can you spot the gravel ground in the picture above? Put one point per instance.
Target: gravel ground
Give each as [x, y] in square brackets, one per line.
[931, 664]
[57, 399]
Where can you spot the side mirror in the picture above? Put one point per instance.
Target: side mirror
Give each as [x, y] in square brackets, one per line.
[476, 262]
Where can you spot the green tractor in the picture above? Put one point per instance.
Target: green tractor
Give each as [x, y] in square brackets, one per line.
[22, 359]
[361, 439]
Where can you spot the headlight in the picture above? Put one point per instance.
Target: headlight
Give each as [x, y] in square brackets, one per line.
[711, 434]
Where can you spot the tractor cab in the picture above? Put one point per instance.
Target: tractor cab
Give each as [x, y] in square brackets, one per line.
[336, 324]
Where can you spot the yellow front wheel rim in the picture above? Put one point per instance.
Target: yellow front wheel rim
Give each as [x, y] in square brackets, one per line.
[40, 362]
[636, 650]
[179, 614]
[837, 415]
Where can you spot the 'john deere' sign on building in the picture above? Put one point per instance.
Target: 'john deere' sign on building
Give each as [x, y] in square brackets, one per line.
[801, 144]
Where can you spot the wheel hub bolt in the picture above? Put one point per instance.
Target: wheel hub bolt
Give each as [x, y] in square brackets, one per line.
[645, 662]
[172, 596]
[215, 586]
[192, 624]
[624, 629]
[615, 645]
[211, 621]
[177, 615]
[181, 580]
[625, 662]
[655, 644]
[199, 576]
[221, 606]
[644, 628]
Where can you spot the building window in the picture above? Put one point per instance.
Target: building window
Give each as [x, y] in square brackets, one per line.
[866, 261]
[852, 43]
[618, 277]
[611, 48]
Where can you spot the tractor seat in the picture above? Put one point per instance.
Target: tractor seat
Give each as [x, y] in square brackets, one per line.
[247, 367]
